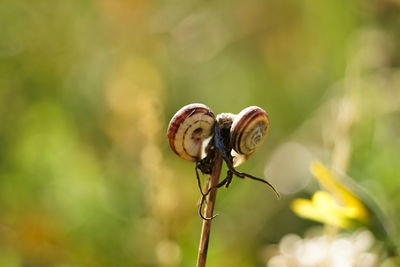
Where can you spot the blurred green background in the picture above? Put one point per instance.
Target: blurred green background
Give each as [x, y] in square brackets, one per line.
[87, 89]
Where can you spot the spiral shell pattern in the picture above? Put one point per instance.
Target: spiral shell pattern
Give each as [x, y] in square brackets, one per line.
[248, 130]
[188, 129]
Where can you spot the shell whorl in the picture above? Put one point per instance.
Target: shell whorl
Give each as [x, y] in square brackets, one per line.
[249, 129]
[188, 129]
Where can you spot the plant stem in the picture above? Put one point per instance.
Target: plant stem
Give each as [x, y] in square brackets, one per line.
[205, 230]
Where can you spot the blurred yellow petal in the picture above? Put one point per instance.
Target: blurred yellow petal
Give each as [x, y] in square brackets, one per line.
[332, 212]
[322, 208]
[305, 208]
[356, 208]
[327, 203]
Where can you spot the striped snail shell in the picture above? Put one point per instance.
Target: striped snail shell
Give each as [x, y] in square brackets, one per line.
[188, 129]
[248, 130]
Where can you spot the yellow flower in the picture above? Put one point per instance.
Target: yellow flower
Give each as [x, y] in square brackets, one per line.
[336, 205]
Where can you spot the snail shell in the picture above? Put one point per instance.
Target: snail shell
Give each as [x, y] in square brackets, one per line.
[188, 129]
[249, 128]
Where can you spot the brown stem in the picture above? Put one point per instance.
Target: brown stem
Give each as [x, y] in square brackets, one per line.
[205, 230]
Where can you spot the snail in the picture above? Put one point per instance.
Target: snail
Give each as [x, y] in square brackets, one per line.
[195, 134]
[188, 129]
[248, 131]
